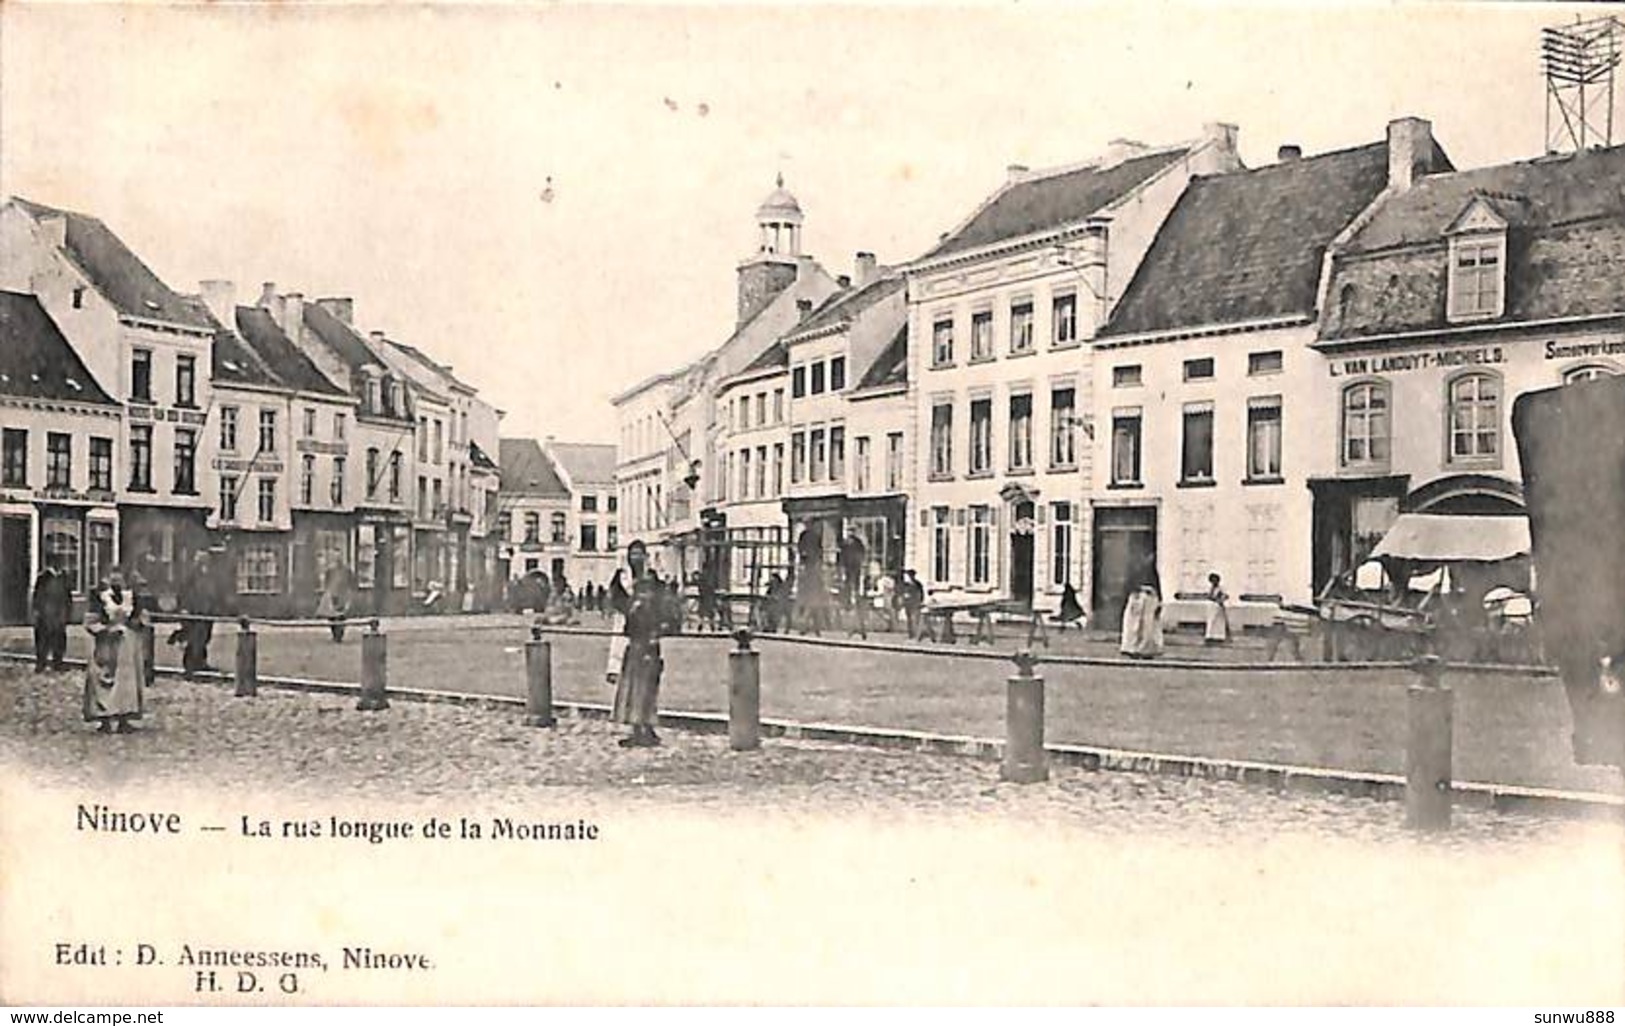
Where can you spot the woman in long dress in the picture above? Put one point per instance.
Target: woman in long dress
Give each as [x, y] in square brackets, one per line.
[114, 676]
[1218, 618]
[1142, 615]
[650, 611]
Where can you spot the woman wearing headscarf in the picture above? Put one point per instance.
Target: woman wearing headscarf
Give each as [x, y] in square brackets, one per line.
[115, 680]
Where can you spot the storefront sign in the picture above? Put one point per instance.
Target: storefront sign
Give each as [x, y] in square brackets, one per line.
[1395, 363]
[261, 465]
[1569, 351]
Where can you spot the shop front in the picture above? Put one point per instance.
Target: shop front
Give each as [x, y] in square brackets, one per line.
[158, 543]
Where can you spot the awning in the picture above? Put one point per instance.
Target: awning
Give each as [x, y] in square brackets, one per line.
[1443, 539]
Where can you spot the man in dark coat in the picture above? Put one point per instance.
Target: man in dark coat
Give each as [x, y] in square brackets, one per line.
[912, 596]
[52, 600]
[198, 598]
[651, 611]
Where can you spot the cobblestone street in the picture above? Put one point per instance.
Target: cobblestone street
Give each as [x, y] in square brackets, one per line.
[934, 860]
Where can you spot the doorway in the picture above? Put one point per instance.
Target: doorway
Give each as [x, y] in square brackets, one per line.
[1125, 538]
[1021, 554]
[14, 583]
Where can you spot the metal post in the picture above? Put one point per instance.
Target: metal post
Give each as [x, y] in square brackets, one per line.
[1025, 761]
[1429, 707]
[538, 680]
[744, 696]
[374, 669]
[247, 677]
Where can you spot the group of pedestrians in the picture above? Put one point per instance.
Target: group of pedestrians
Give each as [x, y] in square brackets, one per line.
[1142, 632]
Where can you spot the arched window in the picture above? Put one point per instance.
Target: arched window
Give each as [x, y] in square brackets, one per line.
[1365, 424]
[1474, 410]
[1587, 372]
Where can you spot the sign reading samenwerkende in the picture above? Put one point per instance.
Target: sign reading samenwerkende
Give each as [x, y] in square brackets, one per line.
[1571, 350]
[1398, 362]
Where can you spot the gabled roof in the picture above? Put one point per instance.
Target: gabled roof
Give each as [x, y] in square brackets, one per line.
[117, 273]
[1248, 245]
[526, 470]
[585, 462]
[36, 360]
[891, 366]
[342, 339]
[1049, 200]
[1564, 217]
[842, 307]
[1537, 193]
[290, 366]
[438, 369]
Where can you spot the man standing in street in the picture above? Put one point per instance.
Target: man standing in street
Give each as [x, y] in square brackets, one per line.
[650, 612]
[51, 602]
[197, 598]
[913, 598]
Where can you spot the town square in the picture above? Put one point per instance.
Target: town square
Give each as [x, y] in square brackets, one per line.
[765, 438]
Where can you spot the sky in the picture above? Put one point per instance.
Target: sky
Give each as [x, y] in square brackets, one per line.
[553, 199]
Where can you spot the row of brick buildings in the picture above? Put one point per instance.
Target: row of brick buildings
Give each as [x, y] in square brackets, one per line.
[140, 425]
[1158, 354]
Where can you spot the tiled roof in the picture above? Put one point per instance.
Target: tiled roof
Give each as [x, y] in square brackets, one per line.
[891, 366]
[585, 462]
[479, 458]
[345, 342]
[847, 304]
[526, 470]
[1248, 245]
[1565, 244]
[36, 361]
[438, 369]
[1047, 201]
[292, 367]
[118, 274]
[776, 355]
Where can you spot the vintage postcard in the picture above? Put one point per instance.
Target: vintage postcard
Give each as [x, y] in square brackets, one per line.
[801, 504]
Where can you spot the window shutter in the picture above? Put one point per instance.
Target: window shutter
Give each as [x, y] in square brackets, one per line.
[925, 518]
[959, 517]
[993, 516]
[1038, 515]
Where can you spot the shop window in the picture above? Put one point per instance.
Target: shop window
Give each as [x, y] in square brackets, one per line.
[1587, 372]
[259, 571]
[1366, 425]
[60, 540]
[98, 552]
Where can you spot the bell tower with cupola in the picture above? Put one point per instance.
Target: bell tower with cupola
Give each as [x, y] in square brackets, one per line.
[772, 268]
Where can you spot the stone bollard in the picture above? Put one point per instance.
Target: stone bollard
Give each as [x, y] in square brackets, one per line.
[1427, 748]
[374, 669]
[148, 636]
[744, 696]
[538, 680]
[247, 677]
[1025, 761]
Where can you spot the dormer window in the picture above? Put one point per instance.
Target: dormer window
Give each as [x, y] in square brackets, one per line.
[1478, 257]
[1477, 275]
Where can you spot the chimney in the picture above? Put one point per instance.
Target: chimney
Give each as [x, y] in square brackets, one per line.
[1410, 151]
[803, 309]
[844, 280]
[267, 295]
[220, 297]
[293, 314]
[1016, 172]
[377, 337]
[804, 267]
[341, 307]
[1288, 153]
[863, 272]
